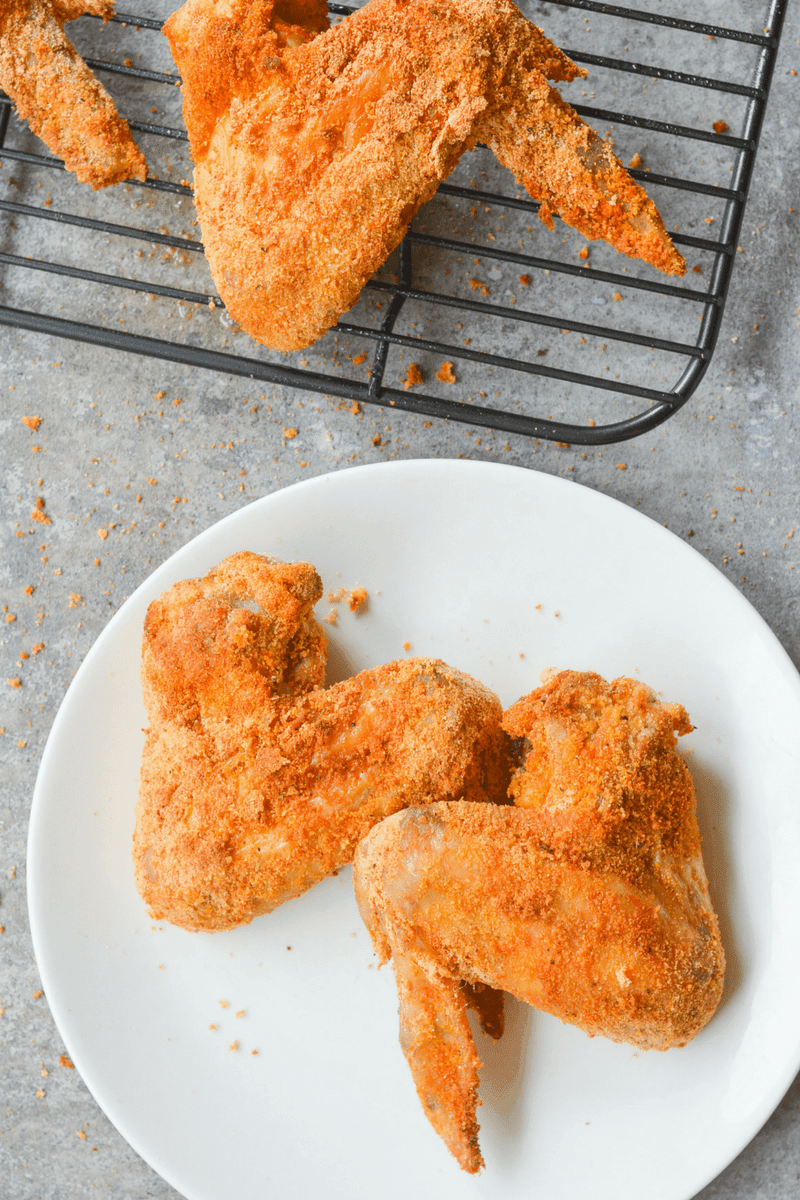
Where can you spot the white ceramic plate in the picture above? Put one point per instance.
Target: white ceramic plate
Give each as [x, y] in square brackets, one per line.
[480, 565]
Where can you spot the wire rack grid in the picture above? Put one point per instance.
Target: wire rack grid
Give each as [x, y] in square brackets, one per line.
[431, 275]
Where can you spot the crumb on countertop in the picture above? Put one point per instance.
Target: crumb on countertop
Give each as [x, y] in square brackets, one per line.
[413, 376]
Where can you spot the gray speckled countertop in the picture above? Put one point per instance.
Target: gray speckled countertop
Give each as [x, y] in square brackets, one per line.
[110, 421]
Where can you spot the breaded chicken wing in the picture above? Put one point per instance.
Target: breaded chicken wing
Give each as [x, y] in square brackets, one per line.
[588, 899]
[313, 153]
[57, 94]
[257, 782]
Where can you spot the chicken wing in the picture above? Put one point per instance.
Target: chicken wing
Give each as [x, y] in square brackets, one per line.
[257, 782]
[313, 151]
[57, 94]
[587, 899]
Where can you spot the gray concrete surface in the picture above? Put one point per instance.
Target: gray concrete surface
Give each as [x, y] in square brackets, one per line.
[722, 473]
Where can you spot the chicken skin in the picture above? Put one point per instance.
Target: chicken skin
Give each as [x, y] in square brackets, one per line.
[57, 94]
[256, 781]
[587, 899]
[314, 150]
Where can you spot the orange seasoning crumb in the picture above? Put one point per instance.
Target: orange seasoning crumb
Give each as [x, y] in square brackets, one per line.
[15, 683]
[358, 359]
[102, 533]
[233, 1046]
[525, 280]
[66, 1062]
[406, 646]
[81, 1135]
[445, 373]
[635, 162]
[359, 598]
[290, 433]
[584, 253]
[622, 466]
[413, 376]
[333, 616]
[224, 1004]
[720, 127]
[32, 422]
[476, 283]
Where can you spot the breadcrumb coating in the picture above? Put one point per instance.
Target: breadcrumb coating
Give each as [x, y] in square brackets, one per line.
[256, 781]
[57, 94]
[588, 899]
[314, 150]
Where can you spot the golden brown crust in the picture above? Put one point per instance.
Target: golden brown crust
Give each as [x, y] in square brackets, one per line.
[256, 782]
[572, 172]
[313, 153]
[59, 97]
[588, 899]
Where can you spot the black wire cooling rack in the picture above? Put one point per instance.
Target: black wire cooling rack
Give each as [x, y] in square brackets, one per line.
[511, 286]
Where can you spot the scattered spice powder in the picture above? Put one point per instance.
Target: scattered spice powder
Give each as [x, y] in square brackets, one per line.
[476, 283]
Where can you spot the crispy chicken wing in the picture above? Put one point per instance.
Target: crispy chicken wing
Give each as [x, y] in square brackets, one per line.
[57, 94]
[257, 782]
[313, 151]
[588, 899]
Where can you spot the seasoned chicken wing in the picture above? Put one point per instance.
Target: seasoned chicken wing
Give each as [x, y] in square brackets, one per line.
[57, 94]
[313, 151]
[257, 782]
[588, 899]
